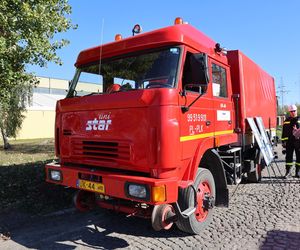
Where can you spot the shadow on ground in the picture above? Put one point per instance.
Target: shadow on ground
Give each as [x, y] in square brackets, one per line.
[98, 229]
[277, 239]
[23, 188]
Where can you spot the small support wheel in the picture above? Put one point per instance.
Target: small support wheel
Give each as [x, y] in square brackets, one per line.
[159, 217]
[84, 201]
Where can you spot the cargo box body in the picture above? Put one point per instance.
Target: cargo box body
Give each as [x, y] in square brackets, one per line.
[256, 90]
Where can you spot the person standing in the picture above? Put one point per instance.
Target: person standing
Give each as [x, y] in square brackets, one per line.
[290, 142]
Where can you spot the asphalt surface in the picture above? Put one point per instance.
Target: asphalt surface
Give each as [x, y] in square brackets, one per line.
[260, 216]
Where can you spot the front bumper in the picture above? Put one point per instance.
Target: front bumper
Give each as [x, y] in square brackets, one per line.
[115, 185]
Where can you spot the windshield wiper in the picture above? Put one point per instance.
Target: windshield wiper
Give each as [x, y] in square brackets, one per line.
[93, 93]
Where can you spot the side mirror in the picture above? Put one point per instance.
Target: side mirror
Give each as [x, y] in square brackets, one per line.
[196, 77]
[199, 69]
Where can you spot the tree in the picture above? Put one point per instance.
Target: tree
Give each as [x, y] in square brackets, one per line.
[27, 30]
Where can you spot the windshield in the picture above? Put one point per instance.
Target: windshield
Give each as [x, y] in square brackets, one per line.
[148, 70]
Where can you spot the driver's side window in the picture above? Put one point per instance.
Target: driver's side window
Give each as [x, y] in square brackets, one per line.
[187, 70]
[187, 75]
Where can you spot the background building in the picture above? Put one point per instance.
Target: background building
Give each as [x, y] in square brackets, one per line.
[40, 115]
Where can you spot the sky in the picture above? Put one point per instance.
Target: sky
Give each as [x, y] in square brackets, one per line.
[267, 31]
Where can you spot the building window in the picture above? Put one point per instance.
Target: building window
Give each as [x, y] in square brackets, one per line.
[58, 91]
[43, 90]
[219, 81]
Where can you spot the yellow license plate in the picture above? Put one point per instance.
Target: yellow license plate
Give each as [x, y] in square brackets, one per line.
[91, 186]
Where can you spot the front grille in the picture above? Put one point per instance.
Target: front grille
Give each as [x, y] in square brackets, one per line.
[97, 150]
[67, 132]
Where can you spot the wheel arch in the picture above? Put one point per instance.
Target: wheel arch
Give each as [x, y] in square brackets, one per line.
[211, 160]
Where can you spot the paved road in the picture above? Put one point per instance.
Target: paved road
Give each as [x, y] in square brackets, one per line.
[260, 216]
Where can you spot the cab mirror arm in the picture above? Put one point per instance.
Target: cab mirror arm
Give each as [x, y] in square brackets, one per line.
[184, 109]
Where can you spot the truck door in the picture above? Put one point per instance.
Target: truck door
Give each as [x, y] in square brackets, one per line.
[222, 104]
[196, 124]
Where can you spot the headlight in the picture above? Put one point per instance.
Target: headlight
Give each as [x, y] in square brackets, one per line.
[55, 175]
[138, 191]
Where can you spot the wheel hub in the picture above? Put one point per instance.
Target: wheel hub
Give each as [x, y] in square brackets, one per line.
[208, 202]
[205, 201]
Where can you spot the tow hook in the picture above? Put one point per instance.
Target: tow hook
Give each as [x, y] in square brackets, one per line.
[208, 201]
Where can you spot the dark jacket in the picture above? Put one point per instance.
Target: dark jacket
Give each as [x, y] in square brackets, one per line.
[287, 129]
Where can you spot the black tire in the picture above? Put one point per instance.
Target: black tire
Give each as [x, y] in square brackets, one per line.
[255, 176]
[204, 183]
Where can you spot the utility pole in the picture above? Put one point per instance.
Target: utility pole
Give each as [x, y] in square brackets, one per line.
[298, 84]
[282, 91]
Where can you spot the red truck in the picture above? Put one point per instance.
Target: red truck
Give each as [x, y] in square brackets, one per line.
[164, 129]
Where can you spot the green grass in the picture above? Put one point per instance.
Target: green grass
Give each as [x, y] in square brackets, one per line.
[22, 174]
[24, 151]
[279, 131]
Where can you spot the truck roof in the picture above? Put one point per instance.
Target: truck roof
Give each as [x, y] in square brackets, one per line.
[182, 34]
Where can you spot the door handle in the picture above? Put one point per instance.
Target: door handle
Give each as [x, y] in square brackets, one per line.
[208, 123]
[230, 122]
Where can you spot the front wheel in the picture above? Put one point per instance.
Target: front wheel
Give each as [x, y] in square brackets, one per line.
[206, 193]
